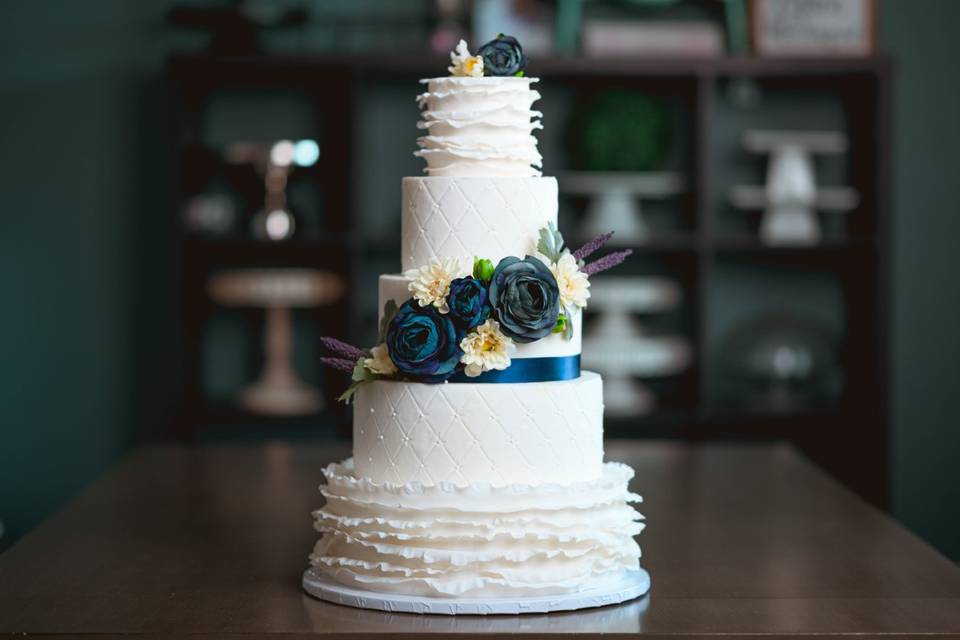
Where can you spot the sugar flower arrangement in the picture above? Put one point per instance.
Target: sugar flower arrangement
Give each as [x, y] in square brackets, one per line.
[469, 320]
[502, 56]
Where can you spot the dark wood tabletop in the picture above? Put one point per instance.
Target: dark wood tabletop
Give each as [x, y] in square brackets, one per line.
[212, 541]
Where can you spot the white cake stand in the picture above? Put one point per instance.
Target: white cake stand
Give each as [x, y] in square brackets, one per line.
[278, 390]
[632, 584]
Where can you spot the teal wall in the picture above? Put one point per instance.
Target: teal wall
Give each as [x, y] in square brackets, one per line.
[83, 227]
[79, 328]
[923, 36]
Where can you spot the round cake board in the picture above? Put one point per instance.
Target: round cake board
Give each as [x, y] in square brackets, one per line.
[632, 584]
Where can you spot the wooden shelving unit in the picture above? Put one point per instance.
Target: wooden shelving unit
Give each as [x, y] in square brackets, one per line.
[857, 259]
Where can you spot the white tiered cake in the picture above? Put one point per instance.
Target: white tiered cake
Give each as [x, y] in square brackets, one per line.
[479, 487]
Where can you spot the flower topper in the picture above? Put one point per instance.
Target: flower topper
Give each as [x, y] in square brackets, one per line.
[502, 56]
[470, 323]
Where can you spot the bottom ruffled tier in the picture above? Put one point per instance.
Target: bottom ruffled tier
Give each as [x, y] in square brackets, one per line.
[478, 540]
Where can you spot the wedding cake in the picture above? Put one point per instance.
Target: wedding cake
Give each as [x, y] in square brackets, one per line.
[477, 468]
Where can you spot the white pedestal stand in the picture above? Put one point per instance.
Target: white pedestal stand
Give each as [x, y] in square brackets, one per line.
[277, 390]
[618, 347]
[615, 201]
[790, 199]
[630, 585]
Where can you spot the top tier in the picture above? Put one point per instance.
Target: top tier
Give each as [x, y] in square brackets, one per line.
[479, 126]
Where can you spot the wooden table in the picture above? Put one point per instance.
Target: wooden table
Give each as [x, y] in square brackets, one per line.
[742, 539]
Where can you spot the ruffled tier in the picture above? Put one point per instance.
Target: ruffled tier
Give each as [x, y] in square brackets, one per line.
[479, 127]
[478, 540]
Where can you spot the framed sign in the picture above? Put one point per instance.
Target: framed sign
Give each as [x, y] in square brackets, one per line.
[814, 27]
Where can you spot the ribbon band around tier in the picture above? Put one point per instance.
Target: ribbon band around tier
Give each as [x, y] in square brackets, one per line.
[530, 370]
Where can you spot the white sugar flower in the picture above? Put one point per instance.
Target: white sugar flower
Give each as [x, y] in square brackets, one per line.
[486, 348]
[463, 64]
[380, 363]
[574, 284]
[431, 283]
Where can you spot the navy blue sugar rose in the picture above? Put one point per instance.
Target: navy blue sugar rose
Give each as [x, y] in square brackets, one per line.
[423, 343]
[525, 298]
[503, 56]
[468, 303]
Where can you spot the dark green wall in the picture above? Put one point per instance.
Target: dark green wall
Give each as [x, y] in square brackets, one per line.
[82, 241]
[80, 133]
[923, 36]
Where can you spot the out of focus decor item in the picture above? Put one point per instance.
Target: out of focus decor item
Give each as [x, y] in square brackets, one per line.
[615, 200]
[213, 214]
[820, 28]
[621, 38]
[617, 345]
[529, 21]
[275, 161]
[791, 198]
[278, 390]
[620, 130]
[779, 362]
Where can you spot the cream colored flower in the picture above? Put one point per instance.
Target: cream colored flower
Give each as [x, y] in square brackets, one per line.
[574, 284]
[380, 363]
[431, 283]
[463, 64]
[486, 348]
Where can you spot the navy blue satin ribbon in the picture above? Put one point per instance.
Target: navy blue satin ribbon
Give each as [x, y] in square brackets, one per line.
[530, 370]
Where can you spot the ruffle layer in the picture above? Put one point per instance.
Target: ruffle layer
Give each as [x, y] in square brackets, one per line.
[460, 112]
[476, 540]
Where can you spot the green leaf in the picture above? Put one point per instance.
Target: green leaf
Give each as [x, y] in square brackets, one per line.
[347, 396]
[519, 74]
[389, 311]
[482, 269]
[568, 329]
[561, 325]
[361, 373]
[551, 242]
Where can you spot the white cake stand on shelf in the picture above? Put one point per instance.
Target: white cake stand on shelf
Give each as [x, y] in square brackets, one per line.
[790, 199]
[615, 200]
[278, 390]
[619, 347]
[630, 585]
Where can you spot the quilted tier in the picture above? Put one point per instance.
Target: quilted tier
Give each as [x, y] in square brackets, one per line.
[465, 433]
[394, 287]
[488, 217]
[476, 541]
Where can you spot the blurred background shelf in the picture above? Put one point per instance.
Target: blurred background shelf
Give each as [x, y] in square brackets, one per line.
[360, 110]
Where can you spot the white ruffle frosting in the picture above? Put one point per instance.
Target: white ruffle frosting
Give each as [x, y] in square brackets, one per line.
[479, 540]
[479, 127]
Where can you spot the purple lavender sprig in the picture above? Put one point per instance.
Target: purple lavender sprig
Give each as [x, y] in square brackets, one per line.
[592, 246]
[608, 261]
[342, 349]
[340, 364]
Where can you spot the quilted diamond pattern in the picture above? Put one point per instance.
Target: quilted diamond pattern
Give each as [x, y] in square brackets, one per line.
[469, 433]
[490, 217]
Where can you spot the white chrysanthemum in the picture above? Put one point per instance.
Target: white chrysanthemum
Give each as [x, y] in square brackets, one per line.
[431, 283]
[574, 284]
[464, 64]
[486, 348]
[380, 363]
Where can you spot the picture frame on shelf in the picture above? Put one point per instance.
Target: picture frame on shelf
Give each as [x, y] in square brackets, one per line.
[801, 28]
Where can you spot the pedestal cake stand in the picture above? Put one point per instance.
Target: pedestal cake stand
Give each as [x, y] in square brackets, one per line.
[630, 585]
